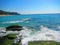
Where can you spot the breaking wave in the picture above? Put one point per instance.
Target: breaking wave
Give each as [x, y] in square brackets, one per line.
[44, 34]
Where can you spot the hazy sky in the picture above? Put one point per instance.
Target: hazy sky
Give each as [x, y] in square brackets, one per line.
[31, 6]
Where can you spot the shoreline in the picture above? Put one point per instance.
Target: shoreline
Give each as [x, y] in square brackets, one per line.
[5, 15]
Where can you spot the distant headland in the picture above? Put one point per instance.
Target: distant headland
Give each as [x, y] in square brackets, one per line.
[8, 13]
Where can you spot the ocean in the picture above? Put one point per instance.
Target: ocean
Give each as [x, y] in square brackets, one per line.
[37, 27]
[32, 20]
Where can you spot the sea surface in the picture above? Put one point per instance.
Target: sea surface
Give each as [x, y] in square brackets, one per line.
[33, 21]
[44, 27]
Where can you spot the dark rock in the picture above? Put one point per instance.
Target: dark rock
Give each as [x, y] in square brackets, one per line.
[14, 28]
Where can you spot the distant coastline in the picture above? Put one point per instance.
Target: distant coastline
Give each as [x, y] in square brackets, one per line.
[3, 13]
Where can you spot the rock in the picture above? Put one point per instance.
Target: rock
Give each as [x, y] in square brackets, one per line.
[14, 28]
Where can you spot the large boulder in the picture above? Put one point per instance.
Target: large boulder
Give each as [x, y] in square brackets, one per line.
[14, 28]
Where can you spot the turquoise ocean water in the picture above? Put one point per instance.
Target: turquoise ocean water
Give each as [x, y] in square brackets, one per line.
[32, 20]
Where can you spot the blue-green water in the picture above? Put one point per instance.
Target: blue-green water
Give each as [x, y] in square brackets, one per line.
[32, 20]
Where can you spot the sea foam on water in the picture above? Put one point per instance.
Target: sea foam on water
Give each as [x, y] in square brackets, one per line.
[44, 34]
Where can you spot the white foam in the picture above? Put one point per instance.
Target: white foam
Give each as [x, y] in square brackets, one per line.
[13, 22]
[25, 19]
[58, 27]
[45, 34]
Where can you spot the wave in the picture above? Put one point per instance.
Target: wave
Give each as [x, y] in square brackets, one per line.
[12, 22]
[58, 27]
[44, 34]
[23, 20]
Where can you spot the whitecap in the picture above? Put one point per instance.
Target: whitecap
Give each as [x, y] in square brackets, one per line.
[17, 21]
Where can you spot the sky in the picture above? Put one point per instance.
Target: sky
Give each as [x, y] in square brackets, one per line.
[31, 6]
